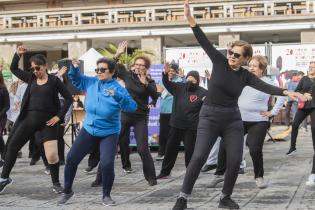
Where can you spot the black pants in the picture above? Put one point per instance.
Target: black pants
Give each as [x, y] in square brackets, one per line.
[61, 143]
[22, 132]
[3, 122]
[173, 145]
[140, 124]
[300, 115]
[94, 157]
[256, 133]
[214, 122]
[164, 132]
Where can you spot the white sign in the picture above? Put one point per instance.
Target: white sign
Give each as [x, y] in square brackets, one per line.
[194, 58]
[293, 57]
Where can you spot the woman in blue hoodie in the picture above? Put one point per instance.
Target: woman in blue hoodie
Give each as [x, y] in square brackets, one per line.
[105, 98]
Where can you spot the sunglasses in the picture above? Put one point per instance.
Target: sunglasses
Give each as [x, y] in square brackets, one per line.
[235, 55]
[102, 70]
[35, 68]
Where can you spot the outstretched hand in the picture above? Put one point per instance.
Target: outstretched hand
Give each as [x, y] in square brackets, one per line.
[187, 11]
[20, 50]
[62, 71]
[121, 48]
[295, 96]
[75, 63]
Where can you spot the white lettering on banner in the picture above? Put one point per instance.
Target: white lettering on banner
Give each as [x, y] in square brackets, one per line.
[293, 57]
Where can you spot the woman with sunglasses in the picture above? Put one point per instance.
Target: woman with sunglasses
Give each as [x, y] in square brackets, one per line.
[104, 101]
[220, 115]
[40, 112]
[141, 87]
[4, 107]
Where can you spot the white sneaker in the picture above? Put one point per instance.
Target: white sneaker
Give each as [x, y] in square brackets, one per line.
[260, 183]
[311, 180]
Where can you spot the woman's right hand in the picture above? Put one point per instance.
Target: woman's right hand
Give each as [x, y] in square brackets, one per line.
[121, 48]
[75, 63]
[20, 50]
[188, 14]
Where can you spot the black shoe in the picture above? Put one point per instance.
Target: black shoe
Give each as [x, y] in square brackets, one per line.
[5, 183]
[228, 203]
[291, 151]
[152, 182]
[181, 204]
[207, 168]
[65, 197]
[57, 188]
[89, 169]
[241, 171]
[61, 162]
[33, 161]
[96, 183]
[19, 154]
[1, 163]
[162, 176]
[128, 170]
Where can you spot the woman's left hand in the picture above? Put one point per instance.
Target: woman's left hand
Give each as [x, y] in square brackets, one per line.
[53, 121]
[266, 114]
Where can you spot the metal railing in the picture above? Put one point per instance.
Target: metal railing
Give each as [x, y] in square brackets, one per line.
[135, 14]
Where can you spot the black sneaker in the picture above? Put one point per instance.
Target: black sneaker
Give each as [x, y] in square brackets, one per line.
[207, 168]
[57, 188]
[128, 170]
[241, 171]
[181, 204]
[33, 161]
[96, 183]
[291, 151]
[228, 203]
[1, 163]
[108, 201]
[5, 183]
[65, 197]
[152, 182]
[19, 154]
[163, 176]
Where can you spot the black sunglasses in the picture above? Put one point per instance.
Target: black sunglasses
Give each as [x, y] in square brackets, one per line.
[235, 55]
[35, 68]
[102, 70]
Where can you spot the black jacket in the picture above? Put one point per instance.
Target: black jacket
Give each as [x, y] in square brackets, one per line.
[4, 101]
[186, 104]
[28, 78]
[138, 91]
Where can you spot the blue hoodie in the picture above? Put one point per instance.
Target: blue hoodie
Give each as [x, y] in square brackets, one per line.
[102, 110]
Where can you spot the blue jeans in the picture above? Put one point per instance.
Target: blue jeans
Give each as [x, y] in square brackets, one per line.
[81, 147]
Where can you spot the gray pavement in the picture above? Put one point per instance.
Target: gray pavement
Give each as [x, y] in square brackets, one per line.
[286, 176]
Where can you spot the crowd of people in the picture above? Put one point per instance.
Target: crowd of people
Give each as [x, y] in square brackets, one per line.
[211, 122]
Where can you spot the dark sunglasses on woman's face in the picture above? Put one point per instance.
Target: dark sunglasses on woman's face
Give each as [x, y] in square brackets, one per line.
[235, 55]
[35, 68]
[102, 70]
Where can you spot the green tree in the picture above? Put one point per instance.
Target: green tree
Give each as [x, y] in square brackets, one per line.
[125, 58]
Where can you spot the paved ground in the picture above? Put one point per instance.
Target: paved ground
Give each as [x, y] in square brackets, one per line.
[286, 176]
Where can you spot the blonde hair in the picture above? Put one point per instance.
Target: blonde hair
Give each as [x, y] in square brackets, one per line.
[263, 63]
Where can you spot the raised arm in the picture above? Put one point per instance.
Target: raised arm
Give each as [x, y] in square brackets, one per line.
[169, 85]
[19, 73]
[80, 81]
[206, 45]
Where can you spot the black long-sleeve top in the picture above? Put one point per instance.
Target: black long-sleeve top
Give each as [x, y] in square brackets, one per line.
[186, 104]
[306, 85]
[54, 85]
[4, 101]
[226, 85]
[138, 91]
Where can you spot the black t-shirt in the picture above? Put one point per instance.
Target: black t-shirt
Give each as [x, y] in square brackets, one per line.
[307, 85]
[42, 97]
[186, 104]
[226, 85]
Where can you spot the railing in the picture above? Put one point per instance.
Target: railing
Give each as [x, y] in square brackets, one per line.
[151, 13]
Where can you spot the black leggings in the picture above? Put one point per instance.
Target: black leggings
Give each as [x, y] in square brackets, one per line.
[214, 122]
[22, 132]
[140, 124]
[3, 121]
[173, 144]
[300, 115]
[164, 132]
[256, 133]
